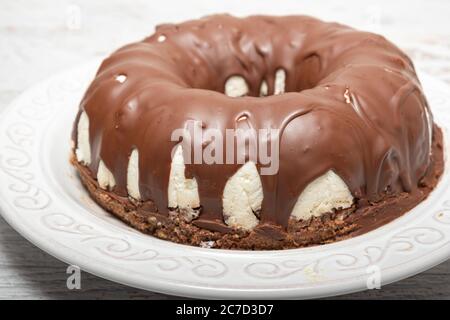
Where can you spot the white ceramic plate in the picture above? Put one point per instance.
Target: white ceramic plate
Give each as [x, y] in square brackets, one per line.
[42, 198]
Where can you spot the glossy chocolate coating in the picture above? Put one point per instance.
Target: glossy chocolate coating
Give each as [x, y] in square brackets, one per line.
[353, 105]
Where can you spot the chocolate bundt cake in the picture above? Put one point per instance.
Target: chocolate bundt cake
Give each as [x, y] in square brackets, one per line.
[345, 139]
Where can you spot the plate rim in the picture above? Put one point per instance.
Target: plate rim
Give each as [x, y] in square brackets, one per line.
[71, 256]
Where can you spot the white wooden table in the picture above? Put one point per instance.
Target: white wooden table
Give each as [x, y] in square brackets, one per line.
[38, 38]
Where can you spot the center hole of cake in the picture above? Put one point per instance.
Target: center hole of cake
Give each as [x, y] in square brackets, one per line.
[238, 86]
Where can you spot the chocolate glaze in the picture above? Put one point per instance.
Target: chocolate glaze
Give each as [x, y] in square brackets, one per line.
[353, 105]
[333, 226]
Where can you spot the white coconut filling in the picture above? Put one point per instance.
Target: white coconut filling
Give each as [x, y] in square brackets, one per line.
[280, 81]
[133, 175]
[121, 78]
[236, 86]
[104, 177]
[83, 151]
[182, 192]
[161, 38]
[324, 194]
[243, 194]
[242, 197]
[430, 129]
[264, 89]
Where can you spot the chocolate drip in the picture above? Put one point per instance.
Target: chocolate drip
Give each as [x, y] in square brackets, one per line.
[353, 105]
